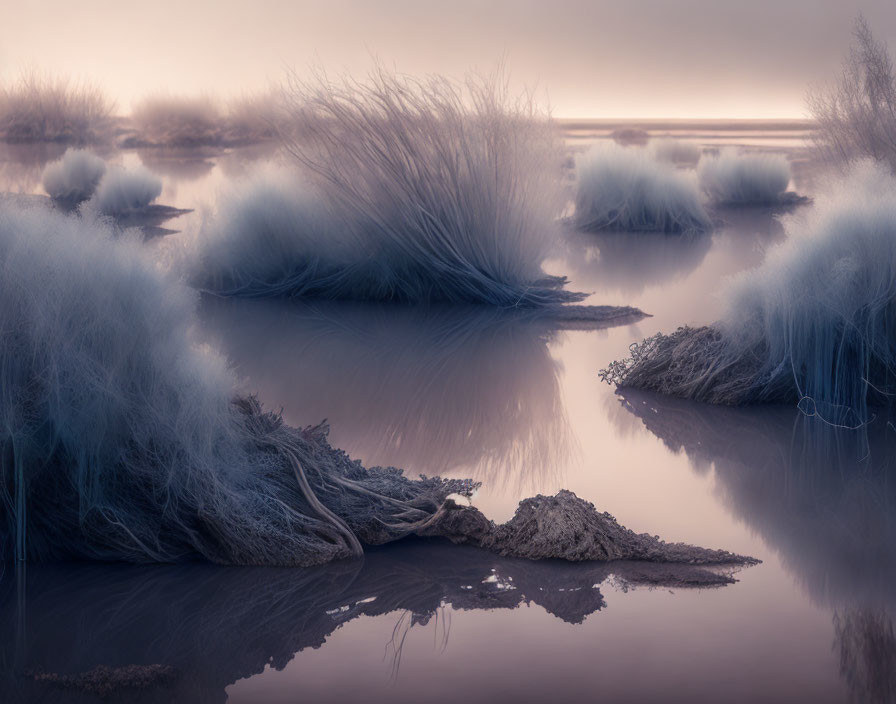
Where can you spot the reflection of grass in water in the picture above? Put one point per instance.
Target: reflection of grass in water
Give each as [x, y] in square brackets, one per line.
[441, 632]
[748, 232]
[21, 165]
[217, 625]
[180, 165]
[430, 390]
[867, 647]
[822, 497]
[616, 260]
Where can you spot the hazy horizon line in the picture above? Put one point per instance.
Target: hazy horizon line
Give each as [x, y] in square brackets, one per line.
[790, 122]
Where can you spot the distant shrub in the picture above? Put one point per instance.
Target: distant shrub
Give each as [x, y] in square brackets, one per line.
[730, 178]
[185, 122]
[621, 188]
[856, 116]
[630, 136]
[675, 151]
[176, 121]
[124, 191]
[253, 118]
[37, 108]
[73, 178]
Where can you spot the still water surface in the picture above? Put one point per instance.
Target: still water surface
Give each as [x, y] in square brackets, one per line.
[517, 404]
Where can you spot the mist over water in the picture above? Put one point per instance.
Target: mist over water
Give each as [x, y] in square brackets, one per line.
[641, 58]
[388, 265]
[512, 399]
[421, 352]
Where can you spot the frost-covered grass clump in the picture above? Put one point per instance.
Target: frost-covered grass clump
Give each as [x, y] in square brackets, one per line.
[731, 178]
[620, 188]
[814, 324]
[112, 420]
[124, 191]
[177, 121]
[74, 178]
[675, 151]
[37, 108]
[121, 438]
[414, 191]
[185, 122]
[272, 231]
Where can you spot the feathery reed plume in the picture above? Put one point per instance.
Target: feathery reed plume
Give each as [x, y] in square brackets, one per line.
[418, 190]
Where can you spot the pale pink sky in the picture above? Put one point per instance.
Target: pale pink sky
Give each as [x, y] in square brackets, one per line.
[619, 58]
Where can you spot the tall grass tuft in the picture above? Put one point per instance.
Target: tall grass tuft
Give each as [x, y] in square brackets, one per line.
[813, 325]
[273, 236]
[121, 439]
[38, 108]
[103, 397]
[415, 190]
[74, 178]
[186, 122]
[176, 121]
[730, 178]
[124, 191]
[623, 188]
[856, 115]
